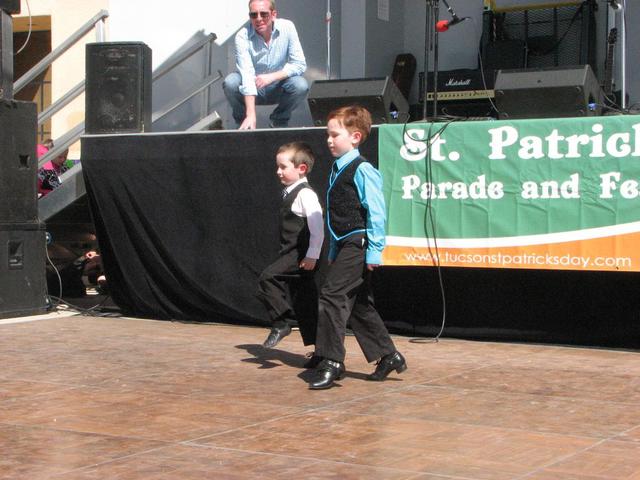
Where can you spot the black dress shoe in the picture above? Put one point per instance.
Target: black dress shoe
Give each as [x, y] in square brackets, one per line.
[388, 363]
[326, 374]
[275, 335]
[313, 362]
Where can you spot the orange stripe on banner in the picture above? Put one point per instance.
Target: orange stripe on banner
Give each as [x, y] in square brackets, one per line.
[619, 253]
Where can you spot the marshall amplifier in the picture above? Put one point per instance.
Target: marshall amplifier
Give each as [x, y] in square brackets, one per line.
[461, 93]
[460, 84]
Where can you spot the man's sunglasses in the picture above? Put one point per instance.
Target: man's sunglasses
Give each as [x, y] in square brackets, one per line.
[263, 15]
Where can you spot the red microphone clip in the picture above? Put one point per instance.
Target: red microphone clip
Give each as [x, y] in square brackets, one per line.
[442, 26]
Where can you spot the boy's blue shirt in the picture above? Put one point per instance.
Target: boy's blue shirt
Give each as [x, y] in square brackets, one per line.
[368, 182]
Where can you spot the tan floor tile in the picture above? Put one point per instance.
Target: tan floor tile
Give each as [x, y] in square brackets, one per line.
[515, 411]
[608, 460]
[184, 462]
[632, 435]
[416, 445]
[114, 398]
[32, 453]
[602, 386]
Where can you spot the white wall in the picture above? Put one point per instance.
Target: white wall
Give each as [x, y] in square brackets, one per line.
[165, 25]
[352, 44]
[361, 44]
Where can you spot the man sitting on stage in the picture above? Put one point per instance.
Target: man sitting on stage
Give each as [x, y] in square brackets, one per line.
[270, 64]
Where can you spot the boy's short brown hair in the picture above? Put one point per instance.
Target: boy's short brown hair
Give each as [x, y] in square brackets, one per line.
[354, 118]
[302, 154]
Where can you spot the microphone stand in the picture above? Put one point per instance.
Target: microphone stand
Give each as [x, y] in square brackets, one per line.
[430, 32]
[451, 12]
[623, 52]
[328, 22]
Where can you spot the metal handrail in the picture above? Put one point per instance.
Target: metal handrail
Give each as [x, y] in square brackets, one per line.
[73, 184]
[69, 138]
[43, 64]
[62, 102]
[204, 122]
[194, 91]
[62, 143]
[168, 66]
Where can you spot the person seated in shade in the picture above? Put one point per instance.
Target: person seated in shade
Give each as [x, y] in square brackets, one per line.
[49, 173]
[66, 272]
[270, 63]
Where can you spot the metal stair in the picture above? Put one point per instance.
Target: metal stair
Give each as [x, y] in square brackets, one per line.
[72, 189]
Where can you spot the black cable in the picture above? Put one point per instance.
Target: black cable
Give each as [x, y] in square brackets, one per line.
[482, 72]
[85, 311]
[49, 296]
[60, 301]
[30, 30]
[430, 221]
[428, 218]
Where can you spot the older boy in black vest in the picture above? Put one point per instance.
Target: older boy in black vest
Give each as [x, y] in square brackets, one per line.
[356, 219]
[301, 237]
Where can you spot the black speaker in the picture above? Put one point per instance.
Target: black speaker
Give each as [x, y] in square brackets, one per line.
[378, 95]
[548, 92]
[10, 6]
[18, 162]
[22, 269]
[503, 54]
[404, 69]
[118, 88]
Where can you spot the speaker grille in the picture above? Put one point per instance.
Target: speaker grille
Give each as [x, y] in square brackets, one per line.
[548, 92]
[18, 162]
[118, 94]
[12, 7]
[378, 95]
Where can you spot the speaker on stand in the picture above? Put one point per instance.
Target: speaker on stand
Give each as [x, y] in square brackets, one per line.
[22, 236]
[12, 7]
[118, 88]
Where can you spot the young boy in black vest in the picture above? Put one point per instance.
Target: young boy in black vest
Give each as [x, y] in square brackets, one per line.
[356, 220]
[301, 237]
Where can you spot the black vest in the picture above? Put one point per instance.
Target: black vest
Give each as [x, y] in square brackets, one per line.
[294, 232]
[344, 211]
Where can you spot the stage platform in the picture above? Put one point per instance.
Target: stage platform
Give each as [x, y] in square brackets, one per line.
[117, 398]
[187, 221]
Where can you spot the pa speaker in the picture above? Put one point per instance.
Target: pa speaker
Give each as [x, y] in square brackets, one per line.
[118, 88]
[22, 269]
[18, 162]
[548, 92]
[378, 95]
[12, 7]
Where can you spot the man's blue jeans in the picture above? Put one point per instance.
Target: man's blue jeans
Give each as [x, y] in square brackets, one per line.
[287, 94]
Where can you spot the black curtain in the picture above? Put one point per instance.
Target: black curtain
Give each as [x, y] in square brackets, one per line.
[187, 221]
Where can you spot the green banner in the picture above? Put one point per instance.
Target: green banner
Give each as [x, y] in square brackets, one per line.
[512, 185]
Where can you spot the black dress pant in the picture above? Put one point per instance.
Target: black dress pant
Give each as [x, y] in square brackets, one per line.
[346, 297]
[289, 294]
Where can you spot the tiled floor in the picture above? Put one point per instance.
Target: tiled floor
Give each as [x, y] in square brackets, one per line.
[114, 398]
